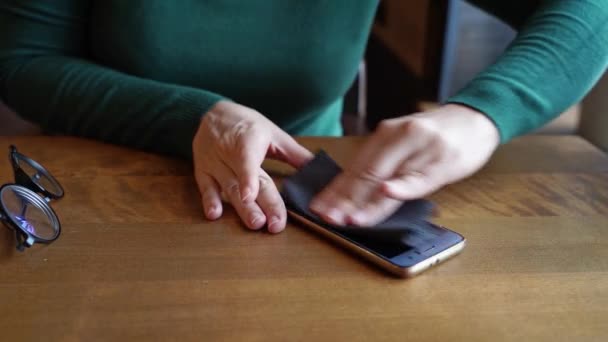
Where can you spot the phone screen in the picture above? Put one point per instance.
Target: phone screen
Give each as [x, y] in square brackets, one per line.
[418, 237]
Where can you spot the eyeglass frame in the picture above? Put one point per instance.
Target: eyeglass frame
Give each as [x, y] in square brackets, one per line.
[36, 194]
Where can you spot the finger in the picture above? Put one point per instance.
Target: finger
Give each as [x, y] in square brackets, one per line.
[210, 196]
[358, 199]
[420, 161]
[374, 211]
[330, 208]
[361, 184]
[249, 212]
[365, 210]
[271, 204]
[388, 147]
[245, 163]
[337, 201]
[287, 149]
[412, 186]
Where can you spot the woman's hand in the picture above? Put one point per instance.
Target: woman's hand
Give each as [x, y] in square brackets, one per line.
[228, 150]
[408, 158]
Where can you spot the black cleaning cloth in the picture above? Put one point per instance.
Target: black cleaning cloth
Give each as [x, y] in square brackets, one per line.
[300, 188]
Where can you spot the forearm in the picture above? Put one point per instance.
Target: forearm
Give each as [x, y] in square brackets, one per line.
[558, 55]
[75, 97]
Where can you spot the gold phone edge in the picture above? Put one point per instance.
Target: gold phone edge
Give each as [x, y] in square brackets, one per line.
[377, 260]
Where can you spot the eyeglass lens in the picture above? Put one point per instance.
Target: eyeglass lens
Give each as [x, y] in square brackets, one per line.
[27, 214]
[38, 177]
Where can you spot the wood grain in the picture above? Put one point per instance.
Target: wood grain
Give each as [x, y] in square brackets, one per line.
[137, 261]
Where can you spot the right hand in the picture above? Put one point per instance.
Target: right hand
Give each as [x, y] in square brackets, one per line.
[228, 150]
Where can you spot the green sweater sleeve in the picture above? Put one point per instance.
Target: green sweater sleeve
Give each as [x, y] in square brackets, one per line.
[560, 52]
[47, 78]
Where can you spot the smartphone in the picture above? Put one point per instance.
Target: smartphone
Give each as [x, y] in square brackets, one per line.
[422, 246]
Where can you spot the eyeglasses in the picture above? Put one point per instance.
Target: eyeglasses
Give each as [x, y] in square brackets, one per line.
[24, 205]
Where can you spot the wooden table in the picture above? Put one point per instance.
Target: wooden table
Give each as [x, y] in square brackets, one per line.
[137, 261]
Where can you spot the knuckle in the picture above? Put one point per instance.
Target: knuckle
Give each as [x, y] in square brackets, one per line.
[272, 202]
[277, 209]
[350, 178]
[370, 173]
[235, 140]
[385, 126]
[420, 126]
[265, 181]
[241, 129]
[445, 150]
[246, 175]
[439, 142]
[231, 188]
[209, 195]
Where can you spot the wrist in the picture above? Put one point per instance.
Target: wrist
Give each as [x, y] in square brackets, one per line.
[478, 121]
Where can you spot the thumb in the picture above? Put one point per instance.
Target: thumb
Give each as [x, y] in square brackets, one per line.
[287, 149]
[411, 186]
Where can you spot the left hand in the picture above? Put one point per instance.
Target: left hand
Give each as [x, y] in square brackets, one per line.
[407, 158]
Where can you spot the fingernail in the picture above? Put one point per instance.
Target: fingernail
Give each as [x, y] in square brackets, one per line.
[211, 210]
[357, 219]
[273, 223]
[335, 215]
[273, 220]
[256, 219]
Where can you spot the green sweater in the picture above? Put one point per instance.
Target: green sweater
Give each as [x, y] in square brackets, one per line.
[141, 73]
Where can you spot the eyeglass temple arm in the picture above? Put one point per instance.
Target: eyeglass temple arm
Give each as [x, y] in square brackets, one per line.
[12, 151]
[23, 240]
